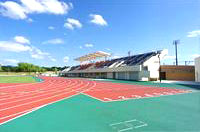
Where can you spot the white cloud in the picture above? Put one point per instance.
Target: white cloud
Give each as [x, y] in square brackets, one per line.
[192, 34]
[98, 19]
[115, 57]
[52, 59]
[66, 59]
[89, 45]
[10, 61]
[54, 41]
[20, 47]
[46, 6]
[169, 57]
[51, 28]
[38, 54]
[21, 39]
[29, 20]
[21, 10]
[13, 46]
[80, 47]
[195, 55]
[72, 23]
[12, 9]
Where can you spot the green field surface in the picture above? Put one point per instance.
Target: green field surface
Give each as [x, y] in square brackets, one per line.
[17, 79]
[173, 113]
[17, 73]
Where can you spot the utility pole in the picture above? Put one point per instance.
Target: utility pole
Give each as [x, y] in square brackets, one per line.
[159, 68]
[129, 53]
[176, 42]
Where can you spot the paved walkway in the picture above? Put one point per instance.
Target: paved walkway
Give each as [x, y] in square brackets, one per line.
[179, 82]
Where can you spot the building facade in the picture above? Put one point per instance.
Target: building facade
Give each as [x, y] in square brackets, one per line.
[181, 73]
[137, 67]
[197, 69]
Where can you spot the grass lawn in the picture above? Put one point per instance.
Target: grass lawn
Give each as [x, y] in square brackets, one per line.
[17, 79]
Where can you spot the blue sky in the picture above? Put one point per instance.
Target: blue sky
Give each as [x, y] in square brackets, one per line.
[54, 32]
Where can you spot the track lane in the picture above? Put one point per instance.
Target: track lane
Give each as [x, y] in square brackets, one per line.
[20, 107]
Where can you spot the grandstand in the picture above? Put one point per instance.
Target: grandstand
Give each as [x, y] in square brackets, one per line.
[136, 67]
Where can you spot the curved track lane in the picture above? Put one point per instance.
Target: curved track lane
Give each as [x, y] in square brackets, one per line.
[17, 100]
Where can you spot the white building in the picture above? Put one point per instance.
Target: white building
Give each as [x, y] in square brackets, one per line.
[137, 67]
[197, 69]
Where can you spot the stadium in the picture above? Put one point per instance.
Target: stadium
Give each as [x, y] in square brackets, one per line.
[137, 67]
[100, 94]
[99, 66]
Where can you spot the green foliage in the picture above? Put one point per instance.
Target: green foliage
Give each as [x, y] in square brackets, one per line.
[8, 68]
[22, 67]
[28, 67]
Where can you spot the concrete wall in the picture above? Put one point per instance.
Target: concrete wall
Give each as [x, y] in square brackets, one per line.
[110, 75]
[183, 73]
[134, 75]
[153, 66]
[116, 69]
[197, 69]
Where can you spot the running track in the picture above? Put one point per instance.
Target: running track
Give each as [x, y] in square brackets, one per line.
[20, 99]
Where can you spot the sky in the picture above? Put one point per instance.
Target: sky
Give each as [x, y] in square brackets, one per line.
[55, 32]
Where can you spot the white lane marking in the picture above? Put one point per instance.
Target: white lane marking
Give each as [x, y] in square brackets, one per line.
[193, 91]
[126, 129]
[47, 104]
[19, 115]
[15, 114]
[167, 93]
[38, 100]
[158, 94]
[141, 125]
[107, 99]
[18, 85]
[128, 125]
[122, 97]
[148, 95]
[48, 87]
[33, 96]
[122, 122]
[136, 96]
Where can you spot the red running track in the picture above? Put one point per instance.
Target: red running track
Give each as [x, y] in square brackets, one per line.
[106, 91]
[18, 100]
[21, 99]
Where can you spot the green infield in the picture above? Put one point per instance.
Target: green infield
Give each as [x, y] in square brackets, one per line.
[82, 113]
[17, 79]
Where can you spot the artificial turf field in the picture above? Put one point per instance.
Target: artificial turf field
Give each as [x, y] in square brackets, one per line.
[80, 112]
[17, 79]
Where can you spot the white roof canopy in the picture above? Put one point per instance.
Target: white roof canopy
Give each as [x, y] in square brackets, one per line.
[93, 56]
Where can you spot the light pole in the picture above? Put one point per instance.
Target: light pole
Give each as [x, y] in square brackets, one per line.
[176, 42]
[159, 67]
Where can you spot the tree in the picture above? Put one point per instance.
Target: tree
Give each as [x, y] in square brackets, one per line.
[0, 68]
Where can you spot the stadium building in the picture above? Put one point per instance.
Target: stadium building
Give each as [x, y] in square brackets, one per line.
[136, 67]
[197, 69]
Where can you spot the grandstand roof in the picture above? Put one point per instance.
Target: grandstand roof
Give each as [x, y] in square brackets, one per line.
[93, 56]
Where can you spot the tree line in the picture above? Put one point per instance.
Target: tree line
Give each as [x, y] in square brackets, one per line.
[28, 67]
[23, 67]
